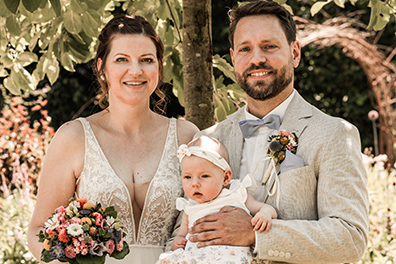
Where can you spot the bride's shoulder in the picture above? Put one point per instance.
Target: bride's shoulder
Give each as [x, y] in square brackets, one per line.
[69, 134]
[185, 131]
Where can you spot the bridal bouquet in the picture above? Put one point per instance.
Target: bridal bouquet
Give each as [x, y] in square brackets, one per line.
[82, 233]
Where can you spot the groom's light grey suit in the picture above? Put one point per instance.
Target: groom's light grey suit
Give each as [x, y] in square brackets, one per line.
[323, 207]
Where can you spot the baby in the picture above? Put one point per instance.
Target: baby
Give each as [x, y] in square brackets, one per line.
[206, 179]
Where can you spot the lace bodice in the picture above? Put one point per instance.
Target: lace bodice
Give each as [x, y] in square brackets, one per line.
[99, 183]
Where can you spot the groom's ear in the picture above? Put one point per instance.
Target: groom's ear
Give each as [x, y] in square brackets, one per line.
[227, 177]
[232, 56]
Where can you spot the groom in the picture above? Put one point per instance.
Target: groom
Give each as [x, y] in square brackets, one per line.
[320, 192]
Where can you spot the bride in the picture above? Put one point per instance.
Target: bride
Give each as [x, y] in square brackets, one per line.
[125, 155]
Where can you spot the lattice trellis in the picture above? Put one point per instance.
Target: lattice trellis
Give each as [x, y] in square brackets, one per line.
[379, 69]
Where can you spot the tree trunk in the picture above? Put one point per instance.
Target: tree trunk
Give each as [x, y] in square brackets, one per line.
[197, 62]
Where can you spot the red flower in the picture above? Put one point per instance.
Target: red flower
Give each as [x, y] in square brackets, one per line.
[63, 237]
[98, 218]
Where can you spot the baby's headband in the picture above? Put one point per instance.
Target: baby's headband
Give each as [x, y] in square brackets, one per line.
[207, 154]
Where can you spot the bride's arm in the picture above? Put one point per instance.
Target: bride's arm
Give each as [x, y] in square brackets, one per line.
[57, 182]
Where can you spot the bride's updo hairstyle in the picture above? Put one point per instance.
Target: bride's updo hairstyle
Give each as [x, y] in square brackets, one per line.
[126, 24]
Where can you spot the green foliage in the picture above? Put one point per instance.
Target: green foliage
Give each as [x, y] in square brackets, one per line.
[15, 213]
[382, 229]
[381, 11]
[336, 85]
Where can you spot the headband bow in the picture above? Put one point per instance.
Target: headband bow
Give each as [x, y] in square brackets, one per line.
[207, 154]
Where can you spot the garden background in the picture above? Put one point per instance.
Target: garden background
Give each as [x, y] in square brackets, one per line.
[46, 80]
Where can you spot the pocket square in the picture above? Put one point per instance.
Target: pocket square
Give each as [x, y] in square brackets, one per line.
[292, 161]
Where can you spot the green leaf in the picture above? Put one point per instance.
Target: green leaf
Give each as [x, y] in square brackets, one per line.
[52, 70]
[13, 26]
[45, 256]
[72, 22]
[91, 22]
[4, 12]
[318, 6]
[26, 58]
[11, 86]
[78, 6]
[90, 259]
[12, 5]
[379, 16]
[33, 41]
[67, 62]
[3, 72]
[121, 254]
[340, 3]
[22, 77]
[56, 6]
[224, 67]
[31, 5]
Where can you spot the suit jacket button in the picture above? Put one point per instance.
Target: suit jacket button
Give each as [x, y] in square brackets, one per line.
[287, 255]
[270, 252]
[276, 253]
[282, 254]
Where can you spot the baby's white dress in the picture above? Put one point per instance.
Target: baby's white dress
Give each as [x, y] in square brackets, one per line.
[235, 196]
[98, 182]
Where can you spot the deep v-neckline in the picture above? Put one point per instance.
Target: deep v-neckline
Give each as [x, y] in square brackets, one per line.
[168, 136]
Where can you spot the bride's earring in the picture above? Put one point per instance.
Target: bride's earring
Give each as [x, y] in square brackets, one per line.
[102, 77]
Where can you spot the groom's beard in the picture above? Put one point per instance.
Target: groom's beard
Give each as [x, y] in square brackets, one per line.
[263, 90]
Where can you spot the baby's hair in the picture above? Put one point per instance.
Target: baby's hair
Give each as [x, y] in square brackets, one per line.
[210, 143]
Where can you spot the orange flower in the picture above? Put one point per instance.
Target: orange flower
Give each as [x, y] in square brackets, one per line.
[92, 231]
[82, 202]
[63, 237]
[47, 244]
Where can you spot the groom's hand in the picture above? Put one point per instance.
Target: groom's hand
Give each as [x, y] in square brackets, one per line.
[230, 226]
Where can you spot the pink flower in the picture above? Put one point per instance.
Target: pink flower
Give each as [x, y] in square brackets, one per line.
[287, 134]
[61, 209]
[76, 220]
[70, 252]
[98, 218]
[120, 245]
[110, 246]
[373, 115]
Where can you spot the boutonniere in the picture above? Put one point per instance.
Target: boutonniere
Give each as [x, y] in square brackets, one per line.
[278, 144]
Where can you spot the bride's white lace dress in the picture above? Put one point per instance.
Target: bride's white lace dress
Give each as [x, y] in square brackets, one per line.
[99, 183]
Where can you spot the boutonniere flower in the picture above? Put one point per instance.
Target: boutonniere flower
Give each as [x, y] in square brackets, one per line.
[279, 143]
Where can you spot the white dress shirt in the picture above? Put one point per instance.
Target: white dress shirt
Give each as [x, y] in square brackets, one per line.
[255, 146]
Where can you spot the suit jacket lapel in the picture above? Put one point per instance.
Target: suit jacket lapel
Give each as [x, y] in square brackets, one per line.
[295, 120]
[233, 140]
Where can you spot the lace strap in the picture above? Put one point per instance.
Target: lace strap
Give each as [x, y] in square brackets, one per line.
[86, 128]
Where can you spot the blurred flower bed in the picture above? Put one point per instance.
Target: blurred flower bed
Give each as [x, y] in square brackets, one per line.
[22, 148]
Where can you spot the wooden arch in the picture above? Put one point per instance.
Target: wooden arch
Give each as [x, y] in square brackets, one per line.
[380, 71]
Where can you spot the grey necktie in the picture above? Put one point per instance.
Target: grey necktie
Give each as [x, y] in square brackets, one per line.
[249, 127]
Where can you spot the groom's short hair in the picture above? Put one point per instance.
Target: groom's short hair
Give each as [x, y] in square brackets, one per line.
[262, 8]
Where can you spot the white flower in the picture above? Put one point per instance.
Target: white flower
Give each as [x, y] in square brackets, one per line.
[110, 220]
[52, 223]
[75, 230]
[71, 210]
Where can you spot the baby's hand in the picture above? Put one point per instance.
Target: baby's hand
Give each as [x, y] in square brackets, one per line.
[179, 242]
[261, 222]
